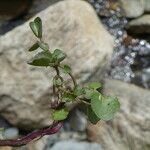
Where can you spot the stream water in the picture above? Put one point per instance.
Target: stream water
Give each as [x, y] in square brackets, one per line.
[131, 57]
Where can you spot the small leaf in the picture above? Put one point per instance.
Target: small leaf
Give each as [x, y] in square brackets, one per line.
[36, 27]
[78, 91]
[57, 82]
[92, 116]
[96, 100]
[66, 69]
[38, 23]
[41, 59]
[61, 114]
[88, 93]
[43, 45]
[94, 85]
[58, 55]
[105, 107]
[68, 97]
[34, 47]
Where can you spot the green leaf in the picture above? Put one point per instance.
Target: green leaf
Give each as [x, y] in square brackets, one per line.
[94, 85]
[59, 55]
[41, 59]
[66, 69]
[92, 116]
[34, 47]
[88, 93]
[105, 107]
[36, 27]
[68, 97]
[38, 23]
[57, 82]
[61, 114]
[78, 91]
[43, 45]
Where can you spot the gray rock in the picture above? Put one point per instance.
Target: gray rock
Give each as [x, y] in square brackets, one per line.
[130, 127]
[147, 5]
[25, 90]
[78, 121]
[140, 25]
[10, 133]
[74, 145]
[132, 8]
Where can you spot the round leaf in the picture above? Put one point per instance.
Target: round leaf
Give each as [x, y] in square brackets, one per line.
[61, 114]
[94, 85]
[105, 107]
[88, 93]
[59, 55]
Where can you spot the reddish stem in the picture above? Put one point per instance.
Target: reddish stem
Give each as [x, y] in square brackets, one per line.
[31, 136]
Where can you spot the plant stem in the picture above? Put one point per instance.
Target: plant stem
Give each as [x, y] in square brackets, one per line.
[57, 70]
[73, 79]
[26, 139]
[83, 101]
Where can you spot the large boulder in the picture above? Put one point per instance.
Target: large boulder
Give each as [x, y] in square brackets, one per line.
[25, 91]
[130, 127]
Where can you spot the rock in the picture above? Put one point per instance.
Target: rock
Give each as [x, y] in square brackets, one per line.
[77, 121]
[74, 145]
[10, 133]
[140, 25]
[132, 8]
[130, 127]
[5, 148]
[147, 5]
[13, 9]
[25, 90]
[4, 123]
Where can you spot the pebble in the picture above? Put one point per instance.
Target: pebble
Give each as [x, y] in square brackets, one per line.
[75, 145]
[10, 133]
